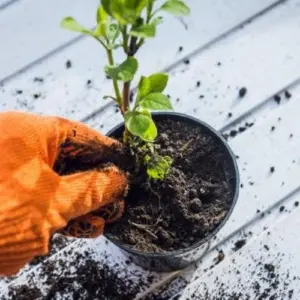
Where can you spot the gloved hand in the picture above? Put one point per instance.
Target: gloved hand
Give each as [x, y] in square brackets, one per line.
[36, 201]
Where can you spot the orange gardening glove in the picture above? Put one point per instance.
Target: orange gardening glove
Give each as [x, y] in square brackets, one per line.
[36, 200]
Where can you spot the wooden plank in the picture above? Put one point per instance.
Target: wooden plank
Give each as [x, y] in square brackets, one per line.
[88, 61]
[26, 37]
[267, 188]
[266, 267]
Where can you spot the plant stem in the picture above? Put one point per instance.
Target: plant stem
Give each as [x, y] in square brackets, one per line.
[133, 46]
[115, 82]
[126, 87]
[125, 106]
[126, 92]
[149, 11]
[125, 39]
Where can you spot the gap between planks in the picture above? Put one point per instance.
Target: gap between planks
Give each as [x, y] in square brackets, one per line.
[6, 4]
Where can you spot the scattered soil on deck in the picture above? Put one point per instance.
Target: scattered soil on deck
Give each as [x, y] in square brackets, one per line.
[57, 243]
[189, 204]
[268, 281]
[239, 244]
[84, 278]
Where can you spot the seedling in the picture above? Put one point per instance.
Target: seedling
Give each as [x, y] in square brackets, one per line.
[127, 24]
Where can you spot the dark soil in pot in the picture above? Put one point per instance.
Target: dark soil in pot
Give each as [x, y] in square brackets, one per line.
[183, 209]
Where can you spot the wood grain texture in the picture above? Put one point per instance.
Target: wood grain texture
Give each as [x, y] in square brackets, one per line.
[263, 56]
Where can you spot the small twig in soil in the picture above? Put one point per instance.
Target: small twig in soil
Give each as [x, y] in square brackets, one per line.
[170, 277]
[186, 145]
[142, 227]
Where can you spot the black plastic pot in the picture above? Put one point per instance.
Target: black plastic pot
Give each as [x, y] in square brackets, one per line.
[179, 259]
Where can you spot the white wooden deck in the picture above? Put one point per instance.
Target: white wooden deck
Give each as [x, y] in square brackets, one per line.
[230, 44]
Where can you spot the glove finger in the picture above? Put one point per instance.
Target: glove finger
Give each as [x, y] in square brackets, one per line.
[82, 193]
[87, 226]
[111, 212]
[84, 148]
[92, 224]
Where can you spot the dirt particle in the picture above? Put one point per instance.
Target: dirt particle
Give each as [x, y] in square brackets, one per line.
[38, 79]
[287, 94]
[225, 136]
[281, 209]
[198, 83]
[266, 247]
[233, 133]
[193, 194]
[220, 257]
[180, 49]
[201, 96]
[186, 61]
[196, 205]
[242, 129]
[19, 92]
[229, 115]
[239, 244]
[277, 99]
[68, 64]
[296, 203]
[36, 96]
[269, 267]
[272, 128]
[219, 63]
[242, 92]
[24, 292]
[272, 169]
[88, 82]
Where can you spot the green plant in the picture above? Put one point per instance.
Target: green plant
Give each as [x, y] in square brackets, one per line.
[127, 24]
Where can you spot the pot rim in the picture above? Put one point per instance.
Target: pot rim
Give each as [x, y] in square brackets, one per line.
[183, 117]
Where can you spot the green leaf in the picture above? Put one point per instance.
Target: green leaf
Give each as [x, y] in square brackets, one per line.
[71, 24]
[158, 167]
[156, 101]
[155, 83]
[144, 87]
[176, 8]
[102, 21]
[124, 11]
[102, 15]
[124, 71]
[158, 82]
[144, 31]
[136, 5]
[140, 123]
